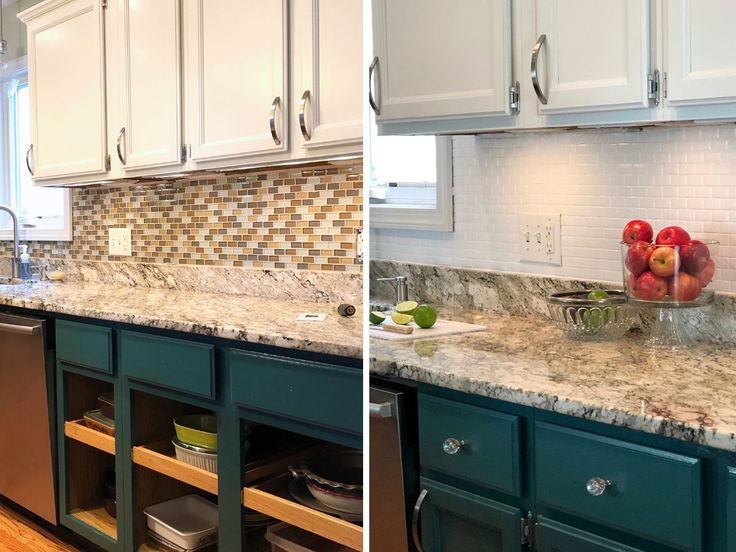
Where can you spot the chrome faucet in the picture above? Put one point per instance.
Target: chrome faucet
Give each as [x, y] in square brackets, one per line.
[15, 259]
[402, 289]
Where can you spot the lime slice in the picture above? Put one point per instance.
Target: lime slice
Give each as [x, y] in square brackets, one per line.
[407, 307]
[400, 318]
[425, 316]
[597, 294]
[376, 317]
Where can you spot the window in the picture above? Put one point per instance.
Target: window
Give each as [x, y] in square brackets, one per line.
[43, 213]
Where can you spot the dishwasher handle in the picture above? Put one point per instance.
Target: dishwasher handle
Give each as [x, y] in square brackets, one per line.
[381, 410]
[20, 330]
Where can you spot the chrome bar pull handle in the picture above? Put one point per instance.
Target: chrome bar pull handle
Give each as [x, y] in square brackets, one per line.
[120, 138]
[20, 330]
[272, 120]
[535, 73]
[371, 99]
[415, 520]
[306, 98]
[28, 159]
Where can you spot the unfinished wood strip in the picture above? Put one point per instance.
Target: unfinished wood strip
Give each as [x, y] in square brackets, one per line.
[78, 431]
[98, 518]
[171, 467]
[336, 529]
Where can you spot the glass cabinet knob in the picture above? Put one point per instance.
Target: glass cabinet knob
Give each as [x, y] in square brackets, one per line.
[452, 445]
[596, 486]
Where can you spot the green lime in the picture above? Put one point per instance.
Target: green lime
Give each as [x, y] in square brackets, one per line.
[425, 316]
[400, 318]
[593, 320]
[407, 307]
[597, 294]
[376, 317]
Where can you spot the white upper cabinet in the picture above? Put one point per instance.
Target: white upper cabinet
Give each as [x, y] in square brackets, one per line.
[66, 75]
[327, 84]
[149, 133]
[592, 56]
[237, 60]
[698, 47]
[436, 59]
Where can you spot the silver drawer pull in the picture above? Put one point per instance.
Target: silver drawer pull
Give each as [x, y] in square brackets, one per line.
[415, 519]
[371, 100]
[272, 120]
[306, 98]
[28, 158]
[452, 445]
[118, 144]
[596, 486]
[535, 73]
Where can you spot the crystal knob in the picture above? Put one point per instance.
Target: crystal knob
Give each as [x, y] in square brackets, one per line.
[452, 445]
[596, 486]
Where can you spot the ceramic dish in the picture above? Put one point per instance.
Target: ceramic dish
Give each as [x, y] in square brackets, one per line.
[195, 456]
[344, 502]
[336, 468]
[199, 430]
[189, 522]
[299, 491]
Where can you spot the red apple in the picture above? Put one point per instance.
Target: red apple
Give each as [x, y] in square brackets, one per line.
[631, 285]
[706, 275]
[651, 287]
[637, 257]
[672, 235]
[684, 287]
[694, 255]
[637, 230]
[664, 261]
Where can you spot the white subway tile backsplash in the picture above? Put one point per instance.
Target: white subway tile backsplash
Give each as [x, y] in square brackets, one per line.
[597, 180]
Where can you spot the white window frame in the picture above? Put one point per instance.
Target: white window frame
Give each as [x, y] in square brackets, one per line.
[438, 218]
[14, 74]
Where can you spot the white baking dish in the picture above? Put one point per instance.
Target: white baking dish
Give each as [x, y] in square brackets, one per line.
[189, 522]
[195, 456]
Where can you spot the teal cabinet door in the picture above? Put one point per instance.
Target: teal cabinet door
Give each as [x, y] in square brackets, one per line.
[457, 521]
[84, 345]
[731, 509]
[557, 537]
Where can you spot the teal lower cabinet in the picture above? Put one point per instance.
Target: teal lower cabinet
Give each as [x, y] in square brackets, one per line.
[453, 520]
[557, 537]
[731, 507]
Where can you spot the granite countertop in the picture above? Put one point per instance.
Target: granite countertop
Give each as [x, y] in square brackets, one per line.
[238, 317]
[688, 395]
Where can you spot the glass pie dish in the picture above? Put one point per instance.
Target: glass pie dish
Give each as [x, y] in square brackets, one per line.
[590, 319]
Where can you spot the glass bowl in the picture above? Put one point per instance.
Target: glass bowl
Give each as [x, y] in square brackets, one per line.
[590, 319]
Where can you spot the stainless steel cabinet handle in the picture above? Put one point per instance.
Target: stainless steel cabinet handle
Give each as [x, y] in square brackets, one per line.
[272, 120]
[381, 410]
[596, 486]
[452, 445]
[28, 159]
[535, 74]
[371, 99]
[120, 138]
[21, 330]
[415, 520]
[306, 97]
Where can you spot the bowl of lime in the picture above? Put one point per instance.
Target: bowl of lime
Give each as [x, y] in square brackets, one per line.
[596, 314]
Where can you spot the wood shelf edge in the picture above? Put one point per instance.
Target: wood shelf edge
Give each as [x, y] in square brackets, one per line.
[98, 519]
[176, 469]
[76, 430]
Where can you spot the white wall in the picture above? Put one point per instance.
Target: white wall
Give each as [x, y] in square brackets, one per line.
[597, 180]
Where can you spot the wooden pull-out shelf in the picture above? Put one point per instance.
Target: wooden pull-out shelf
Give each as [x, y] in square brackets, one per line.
[272, 498]
[79, 431]
[159, 458]
[98, 518]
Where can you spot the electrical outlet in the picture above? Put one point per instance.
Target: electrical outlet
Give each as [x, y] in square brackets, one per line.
[539, 239]
[120, 242]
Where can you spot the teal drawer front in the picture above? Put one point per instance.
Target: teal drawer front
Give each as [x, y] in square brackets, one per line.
[457, 521]
[653, 494]
[731, 508]
[84, 345]
[171, 363]
[490, 453]
[313, 392]
[557, 537]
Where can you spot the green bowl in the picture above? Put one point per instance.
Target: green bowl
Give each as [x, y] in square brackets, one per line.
[199, 430]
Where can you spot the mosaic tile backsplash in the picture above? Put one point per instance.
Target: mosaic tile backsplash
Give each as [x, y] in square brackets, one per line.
[295, 218]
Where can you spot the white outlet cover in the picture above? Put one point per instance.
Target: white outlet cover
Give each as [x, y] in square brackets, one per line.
[539, 239]
[120, 242]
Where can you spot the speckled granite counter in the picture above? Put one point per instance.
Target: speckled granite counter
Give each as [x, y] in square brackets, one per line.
[688, 395]
[238, 317]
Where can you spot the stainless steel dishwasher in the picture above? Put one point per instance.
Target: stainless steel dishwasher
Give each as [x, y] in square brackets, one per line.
[26, 415]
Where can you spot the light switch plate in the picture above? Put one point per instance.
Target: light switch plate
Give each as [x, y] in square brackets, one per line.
[539, 239]
[120, 242]
[312, 317]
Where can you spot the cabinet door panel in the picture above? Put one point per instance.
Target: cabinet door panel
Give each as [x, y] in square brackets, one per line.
[700, 64]
[152, 106]
[556, 537]
[731, 509]
[595, 56]
[454, 520]
[66, 74]
[237, 56]
[442, 59]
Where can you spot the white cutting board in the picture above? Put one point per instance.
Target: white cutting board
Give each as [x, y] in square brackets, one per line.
[441, 328]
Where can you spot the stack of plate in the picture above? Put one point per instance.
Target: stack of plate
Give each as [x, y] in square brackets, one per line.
[255, 520]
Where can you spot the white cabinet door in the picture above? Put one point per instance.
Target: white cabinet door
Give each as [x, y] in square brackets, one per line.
[66, 76]
[236, 75]
[595, 55]
[699, 57]
[438, 59]
[327, 57]
[150, 132]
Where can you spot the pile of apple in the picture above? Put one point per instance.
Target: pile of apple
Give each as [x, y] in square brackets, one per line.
[673, 265]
